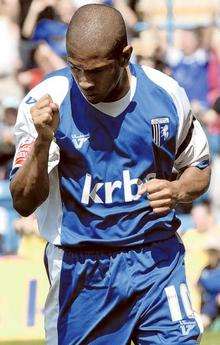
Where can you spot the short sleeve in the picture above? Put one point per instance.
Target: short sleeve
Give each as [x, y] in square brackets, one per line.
[25, 136]
[191, 144]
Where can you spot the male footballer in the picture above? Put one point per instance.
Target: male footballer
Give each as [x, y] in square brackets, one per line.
[97, 143]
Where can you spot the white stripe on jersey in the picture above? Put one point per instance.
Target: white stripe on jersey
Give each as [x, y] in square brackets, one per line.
[54, 258]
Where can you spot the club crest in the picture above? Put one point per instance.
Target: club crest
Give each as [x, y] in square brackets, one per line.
[160, 130]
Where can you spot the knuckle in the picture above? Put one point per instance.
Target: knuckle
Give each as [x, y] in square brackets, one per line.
[151, 204]
[47, 110]
[168, 192]
[157, 211]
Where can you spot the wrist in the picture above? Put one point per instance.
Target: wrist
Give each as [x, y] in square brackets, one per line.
[44, 139]
[178, 191]
[43, 143]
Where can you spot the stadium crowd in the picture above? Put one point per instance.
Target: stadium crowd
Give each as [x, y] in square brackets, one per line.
[186, 46]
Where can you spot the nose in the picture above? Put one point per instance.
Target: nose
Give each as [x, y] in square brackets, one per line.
[85, 82]
[86, 85]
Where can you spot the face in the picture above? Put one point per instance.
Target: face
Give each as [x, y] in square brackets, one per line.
[96, 77]
[189, 42]
[201, 218]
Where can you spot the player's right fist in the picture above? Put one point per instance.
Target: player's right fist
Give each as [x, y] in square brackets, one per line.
[45, 115]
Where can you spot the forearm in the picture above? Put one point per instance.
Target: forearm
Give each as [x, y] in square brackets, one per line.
[192, 184]
[30, 186]
[29, 23]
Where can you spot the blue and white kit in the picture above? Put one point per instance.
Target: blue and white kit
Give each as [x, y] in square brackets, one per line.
[116, 268]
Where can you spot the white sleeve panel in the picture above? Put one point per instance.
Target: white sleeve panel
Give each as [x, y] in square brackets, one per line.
[49, 214]
[196, 149]
[25, 132]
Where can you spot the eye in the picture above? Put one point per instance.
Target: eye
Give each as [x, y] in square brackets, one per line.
[99, 70]
[74, 67]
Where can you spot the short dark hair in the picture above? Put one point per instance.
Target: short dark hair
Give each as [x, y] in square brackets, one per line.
[98, 25]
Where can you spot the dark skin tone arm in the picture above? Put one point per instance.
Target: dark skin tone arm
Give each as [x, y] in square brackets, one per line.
[165, 195]
[30, 186]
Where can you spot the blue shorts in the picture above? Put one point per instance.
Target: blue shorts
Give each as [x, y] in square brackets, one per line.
[113, 297]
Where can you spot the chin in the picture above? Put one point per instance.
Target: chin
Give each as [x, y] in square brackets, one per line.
[93, 99]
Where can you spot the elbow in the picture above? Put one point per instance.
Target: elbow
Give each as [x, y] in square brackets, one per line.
[22, 207]
[24, 212]
[25, 205]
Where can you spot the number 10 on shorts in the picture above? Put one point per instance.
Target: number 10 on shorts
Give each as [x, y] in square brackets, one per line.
[174, 304]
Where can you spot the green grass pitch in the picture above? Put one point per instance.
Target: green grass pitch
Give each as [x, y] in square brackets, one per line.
[208, 339]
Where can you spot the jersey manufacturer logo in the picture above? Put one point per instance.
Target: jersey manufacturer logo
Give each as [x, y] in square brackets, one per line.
[187, 326]
[79, 140]
[30, 100]
[160, 130]
[109, 188]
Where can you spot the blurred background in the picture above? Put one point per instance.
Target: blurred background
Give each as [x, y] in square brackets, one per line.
[180, 38]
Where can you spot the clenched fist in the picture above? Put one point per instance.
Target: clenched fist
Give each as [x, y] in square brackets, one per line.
[45, 115]
[162, 194]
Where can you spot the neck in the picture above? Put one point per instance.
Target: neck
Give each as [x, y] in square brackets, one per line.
[122, 87]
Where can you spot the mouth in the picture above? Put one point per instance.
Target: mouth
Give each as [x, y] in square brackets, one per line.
[91, 97]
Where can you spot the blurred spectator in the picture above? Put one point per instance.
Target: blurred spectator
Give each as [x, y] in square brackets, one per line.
[209, 283]
[214, 190]
[212, 121]
[46, 61]
[156, 60]
[193, 12]
[189, 66]
[49, 30]
[194, 240]
[9, 58]
[31, 245]
[214, 67]
[7, 147]
[9, 239]
[43, 45]
[122, 5]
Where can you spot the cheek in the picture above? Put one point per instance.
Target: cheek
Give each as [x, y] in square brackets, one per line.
[110, 79]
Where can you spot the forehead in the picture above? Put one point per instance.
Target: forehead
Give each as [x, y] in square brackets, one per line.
[89, 62]
[84, 48]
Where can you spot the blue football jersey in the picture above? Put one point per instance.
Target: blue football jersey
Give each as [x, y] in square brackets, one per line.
[98, 162]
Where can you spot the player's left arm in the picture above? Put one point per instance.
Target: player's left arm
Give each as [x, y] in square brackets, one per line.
[192, 162]
[165, 195]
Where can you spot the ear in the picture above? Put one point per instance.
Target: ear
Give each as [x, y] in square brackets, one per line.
[125, 56]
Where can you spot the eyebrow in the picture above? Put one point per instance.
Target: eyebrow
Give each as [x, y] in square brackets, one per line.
[71, 64]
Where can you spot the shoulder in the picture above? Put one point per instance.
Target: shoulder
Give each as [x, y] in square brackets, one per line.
[178, 97]
[56, 84]
[165, 82]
